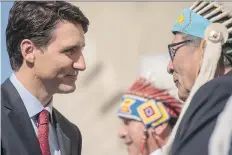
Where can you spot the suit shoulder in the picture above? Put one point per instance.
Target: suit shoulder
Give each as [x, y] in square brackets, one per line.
[9, 94]
[4, 87]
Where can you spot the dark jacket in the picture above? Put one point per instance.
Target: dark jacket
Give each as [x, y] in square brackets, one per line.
[198, 123]
[17, 134]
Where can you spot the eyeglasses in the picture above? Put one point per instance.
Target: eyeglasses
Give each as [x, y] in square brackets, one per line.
[172, 52]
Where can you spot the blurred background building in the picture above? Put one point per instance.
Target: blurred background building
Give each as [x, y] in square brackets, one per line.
[119, 33]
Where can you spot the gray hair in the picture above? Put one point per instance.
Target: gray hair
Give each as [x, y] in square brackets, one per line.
[226, 48]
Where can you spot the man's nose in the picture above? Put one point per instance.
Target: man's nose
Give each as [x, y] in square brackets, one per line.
[80, 64]
[170, 68]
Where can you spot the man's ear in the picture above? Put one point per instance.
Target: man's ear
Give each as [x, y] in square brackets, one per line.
[28, 50]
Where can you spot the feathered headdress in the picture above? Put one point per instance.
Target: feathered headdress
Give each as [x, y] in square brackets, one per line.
[151, 99]
[213, 23]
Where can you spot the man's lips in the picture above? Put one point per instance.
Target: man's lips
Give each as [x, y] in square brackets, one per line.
[72, 77]
[75, 73]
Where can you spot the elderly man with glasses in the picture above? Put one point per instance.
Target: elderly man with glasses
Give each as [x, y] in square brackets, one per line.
[201, 67]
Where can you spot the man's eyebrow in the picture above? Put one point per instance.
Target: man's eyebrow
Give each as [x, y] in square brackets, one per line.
[177, 48]
[73, 46]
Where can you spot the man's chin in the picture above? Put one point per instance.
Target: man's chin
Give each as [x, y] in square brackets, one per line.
[66, 89]
[182, 96]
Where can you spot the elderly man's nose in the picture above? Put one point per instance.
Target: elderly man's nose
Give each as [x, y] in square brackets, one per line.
[170, 68]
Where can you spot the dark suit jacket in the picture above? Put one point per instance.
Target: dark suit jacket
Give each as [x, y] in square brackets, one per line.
[18, 136]
[197, 125]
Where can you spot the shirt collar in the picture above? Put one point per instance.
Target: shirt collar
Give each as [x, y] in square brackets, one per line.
[32, 104]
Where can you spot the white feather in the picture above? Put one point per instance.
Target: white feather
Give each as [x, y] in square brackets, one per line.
[211, 5]
[154, 68]
[202, 5]
[194, 5]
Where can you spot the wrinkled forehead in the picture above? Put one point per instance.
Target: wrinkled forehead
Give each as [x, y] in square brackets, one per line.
[177, 37]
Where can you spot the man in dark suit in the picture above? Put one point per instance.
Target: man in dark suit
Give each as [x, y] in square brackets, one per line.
[44, 43]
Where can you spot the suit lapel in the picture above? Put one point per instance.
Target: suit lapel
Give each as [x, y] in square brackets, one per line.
[20, 119]
[63, 139]
[25, 130]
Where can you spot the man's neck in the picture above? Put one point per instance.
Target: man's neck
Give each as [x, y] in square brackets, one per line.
[34, 86]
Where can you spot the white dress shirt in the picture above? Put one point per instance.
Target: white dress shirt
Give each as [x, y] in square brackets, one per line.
[34, 107]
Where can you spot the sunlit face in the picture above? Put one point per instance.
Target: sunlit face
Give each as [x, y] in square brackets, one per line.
[57, 66]
[131, 132]
[184, 66]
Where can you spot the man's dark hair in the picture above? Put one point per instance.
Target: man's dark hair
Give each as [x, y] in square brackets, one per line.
[35, 21]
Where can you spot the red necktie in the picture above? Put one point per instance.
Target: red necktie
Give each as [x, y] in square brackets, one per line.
[43, 122]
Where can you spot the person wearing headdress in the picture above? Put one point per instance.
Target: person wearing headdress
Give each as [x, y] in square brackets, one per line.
[149, 109]
[201, 67]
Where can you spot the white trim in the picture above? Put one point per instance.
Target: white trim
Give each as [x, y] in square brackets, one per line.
[129, 116]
